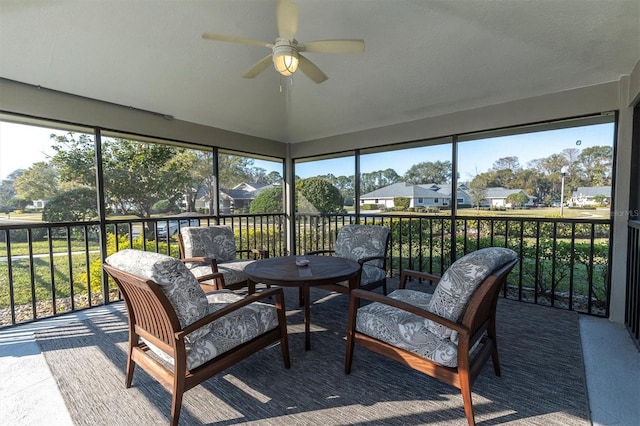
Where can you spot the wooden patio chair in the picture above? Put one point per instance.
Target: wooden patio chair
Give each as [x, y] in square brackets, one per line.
[367, 245]
[213, 249]
[448, 335]
[172, 322]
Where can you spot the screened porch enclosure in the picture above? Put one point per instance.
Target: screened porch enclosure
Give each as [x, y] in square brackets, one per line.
[52, 266]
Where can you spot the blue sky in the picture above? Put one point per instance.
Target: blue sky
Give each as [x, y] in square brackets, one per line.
[477, 155]
[21, 146]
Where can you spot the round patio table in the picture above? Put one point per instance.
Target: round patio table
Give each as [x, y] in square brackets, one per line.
[284, 271]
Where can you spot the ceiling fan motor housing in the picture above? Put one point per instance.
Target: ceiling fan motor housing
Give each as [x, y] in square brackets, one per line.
[285, 56]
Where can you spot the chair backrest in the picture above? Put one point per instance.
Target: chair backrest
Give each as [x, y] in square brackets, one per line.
[357, 241]
[210, 241]
[176, 282]
[459, 282]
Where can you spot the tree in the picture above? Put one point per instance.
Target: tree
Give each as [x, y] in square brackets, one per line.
[139, 174]
[600, 199]
[258, 175]
[318, 196]
[477, 191]
[234, 170]
[75, 159]
[517, 199]
[196, 171]
[38, 182]
[378, 179]
[268, 201]
[429, 172]
[136, 174]
[274, 178]
[595, 163]
[401, 203]
[7, 191]
[506, 163]
[78, 204]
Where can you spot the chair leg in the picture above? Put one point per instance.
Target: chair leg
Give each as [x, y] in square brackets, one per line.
[491, 331]
[465, 388]
[133, 339]
[351, 329]
[496, 361]
[176, 400]
[348, 360]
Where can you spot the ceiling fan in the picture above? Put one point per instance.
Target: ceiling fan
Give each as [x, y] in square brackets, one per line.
[285, 51]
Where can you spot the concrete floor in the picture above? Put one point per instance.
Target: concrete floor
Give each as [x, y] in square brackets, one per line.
[29, 395]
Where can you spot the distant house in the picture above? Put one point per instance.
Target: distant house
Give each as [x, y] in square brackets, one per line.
[37, 204]
[437, 195]
[462, 194]
[497, 197]
[587, 195]
[426, 195]
[418, 195]
[236, 199]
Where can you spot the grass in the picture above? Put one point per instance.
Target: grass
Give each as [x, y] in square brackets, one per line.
[42, 247]
[42, 274]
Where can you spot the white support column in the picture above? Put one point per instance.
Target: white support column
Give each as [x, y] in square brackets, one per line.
[621, 206]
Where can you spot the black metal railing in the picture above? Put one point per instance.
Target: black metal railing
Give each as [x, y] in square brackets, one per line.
[565, 262]
[49, 269]
[632, 305]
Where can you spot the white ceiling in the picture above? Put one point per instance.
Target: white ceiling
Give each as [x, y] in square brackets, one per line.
[423, 58]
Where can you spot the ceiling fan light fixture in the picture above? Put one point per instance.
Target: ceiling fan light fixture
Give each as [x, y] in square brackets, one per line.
[285, 59]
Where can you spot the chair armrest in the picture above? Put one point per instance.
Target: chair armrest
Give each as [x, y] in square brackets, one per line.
[252, 298]
[211, 276]
[218, 281]
[211, 260]
[434, 279]
[312, 252]
[375, 297]
[366, 259]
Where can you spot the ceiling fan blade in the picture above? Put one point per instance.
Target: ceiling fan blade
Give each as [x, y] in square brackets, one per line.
[234, 39]
[311, 70]
[262, 65]
[287, 17]
[333, 46]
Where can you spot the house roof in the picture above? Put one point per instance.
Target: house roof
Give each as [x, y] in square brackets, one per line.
[592, 191]
[403, 189]
[500, 192]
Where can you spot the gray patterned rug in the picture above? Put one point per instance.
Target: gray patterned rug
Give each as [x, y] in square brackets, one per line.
[542, 383]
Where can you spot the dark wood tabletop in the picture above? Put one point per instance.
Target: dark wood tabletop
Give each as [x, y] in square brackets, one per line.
[284, 271]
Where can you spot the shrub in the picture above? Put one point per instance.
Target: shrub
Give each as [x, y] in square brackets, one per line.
[162, 206]
[268, 201]
[401, 203]
[369, 207]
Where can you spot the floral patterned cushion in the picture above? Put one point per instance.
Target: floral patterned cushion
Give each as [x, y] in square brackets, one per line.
[233, 271]
[210, 241]
[175, 280]
[369, 274]
[460, 281]
[229, 331]
[427, 338]
[405, 330]
[358, 241]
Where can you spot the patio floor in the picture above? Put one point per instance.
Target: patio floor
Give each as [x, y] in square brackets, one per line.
[29, 395]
